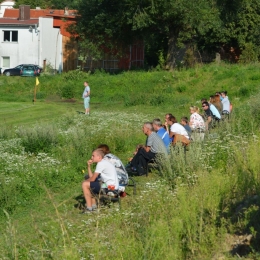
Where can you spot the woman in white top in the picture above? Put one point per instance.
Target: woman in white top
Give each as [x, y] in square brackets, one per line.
[177, 131]
[197, 124]
[196, 120]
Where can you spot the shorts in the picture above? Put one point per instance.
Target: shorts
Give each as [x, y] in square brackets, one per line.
[95, 187]
[86, 102]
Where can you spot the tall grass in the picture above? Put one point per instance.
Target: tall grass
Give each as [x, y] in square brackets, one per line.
[184, 211]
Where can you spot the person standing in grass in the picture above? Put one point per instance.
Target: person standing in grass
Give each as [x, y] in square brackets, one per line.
[107, 173]
[86, 97]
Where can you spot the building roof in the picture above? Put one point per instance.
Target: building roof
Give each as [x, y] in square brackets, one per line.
[16, 22]
[11, 18]
[36, 13]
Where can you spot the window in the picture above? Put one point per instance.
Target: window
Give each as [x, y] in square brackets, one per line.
[6, 62]
[10, 36]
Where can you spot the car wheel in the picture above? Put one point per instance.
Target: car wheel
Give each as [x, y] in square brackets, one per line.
[7, 73]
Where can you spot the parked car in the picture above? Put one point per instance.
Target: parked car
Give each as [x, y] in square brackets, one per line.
[16, 71]
[30, 70]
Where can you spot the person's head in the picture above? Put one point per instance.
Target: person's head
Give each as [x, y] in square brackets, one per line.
[97, 155]
[224, 94]
[194, 109]
[171, 120]
[85, 83]
[184, 120]
[217, 98]
[212, 99]
[104, 148]
[167, 116]
[203, 100]
[205, 105]
[157, 124]
[218, 93]
[147, 128]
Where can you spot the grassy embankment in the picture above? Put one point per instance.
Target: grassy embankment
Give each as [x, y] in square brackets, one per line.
[192, 210]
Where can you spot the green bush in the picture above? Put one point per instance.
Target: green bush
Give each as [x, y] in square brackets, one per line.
[249, 54]
[68, 91]
[38, 139]
[75, 75]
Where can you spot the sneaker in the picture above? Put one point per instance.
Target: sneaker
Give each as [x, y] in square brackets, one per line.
[86, 211]
[133, 169]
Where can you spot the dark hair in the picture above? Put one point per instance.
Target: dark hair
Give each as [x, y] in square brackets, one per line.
[224, 91]
[185, 119]
[104, 148]
[168, 114]
[172, 119]
[205, 103]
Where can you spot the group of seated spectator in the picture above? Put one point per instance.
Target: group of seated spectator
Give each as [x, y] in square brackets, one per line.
[160, 137]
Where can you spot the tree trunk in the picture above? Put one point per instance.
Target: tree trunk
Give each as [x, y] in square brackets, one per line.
[175, 54]
[170, 60]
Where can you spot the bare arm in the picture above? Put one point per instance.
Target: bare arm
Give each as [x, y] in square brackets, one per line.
[88, 93]
[172, 134]
[147, 148]
[209, 120]
[92, 176]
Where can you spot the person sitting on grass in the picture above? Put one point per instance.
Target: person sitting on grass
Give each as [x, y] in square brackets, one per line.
[215, 113]
[208, 116]
[226, 103]
[215, 100]
[177, 131]
[154, 147]
[161, 131]
[197, 124]
[185, 124]
[120, 168]
[107, 173]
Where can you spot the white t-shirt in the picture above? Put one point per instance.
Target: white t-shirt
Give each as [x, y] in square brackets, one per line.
[107, 172]
[179, 129]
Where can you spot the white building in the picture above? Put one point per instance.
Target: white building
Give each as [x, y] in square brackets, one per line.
[7, 4]
[35, 37]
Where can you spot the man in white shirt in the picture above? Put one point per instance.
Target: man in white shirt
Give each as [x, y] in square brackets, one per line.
[106, 171]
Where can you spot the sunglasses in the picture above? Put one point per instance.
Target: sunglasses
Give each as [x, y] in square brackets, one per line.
[203, 106]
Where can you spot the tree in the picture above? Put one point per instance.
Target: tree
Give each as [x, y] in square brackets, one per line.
[175, 22]
[170, 25]
[54, 4]
[241, 19]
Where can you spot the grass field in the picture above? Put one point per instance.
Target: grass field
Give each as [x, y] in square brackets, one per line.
[203, 206]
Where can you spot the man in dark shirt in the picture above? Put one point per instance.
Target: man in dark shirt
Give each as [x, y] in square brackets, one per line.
[208, 116]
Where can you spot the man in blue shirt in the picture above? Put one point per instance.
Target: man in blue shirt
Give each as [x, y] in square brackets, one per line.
[161, 131]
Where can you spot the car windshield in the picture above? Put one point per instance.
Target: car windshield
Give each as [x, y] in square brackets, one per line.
[18, 67]
[28, 67]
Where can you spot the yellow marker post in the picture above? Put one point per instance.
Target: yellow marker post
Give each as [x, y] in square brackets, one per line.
[36, 84]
